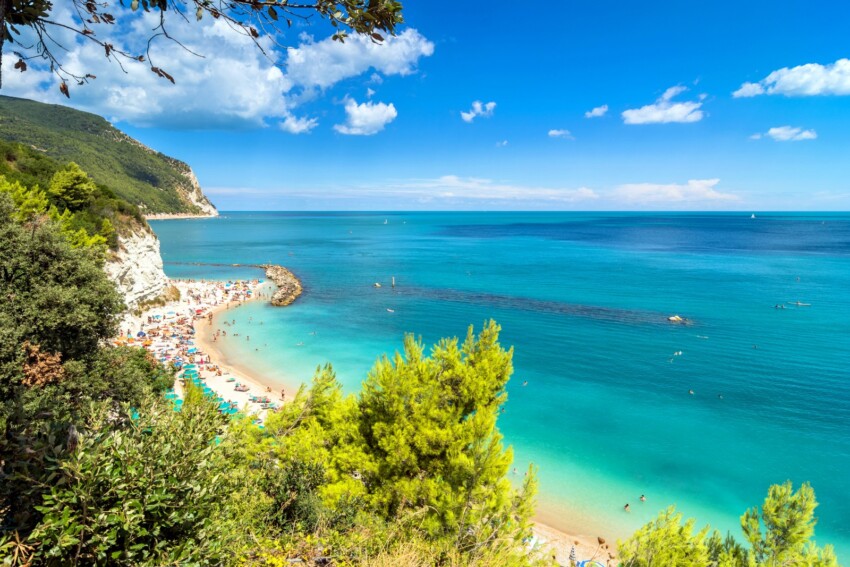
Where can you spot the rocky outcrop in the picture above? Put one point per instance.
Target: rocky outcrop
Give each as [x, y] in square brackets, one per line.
[136, 268]
[288, 286]
[194, 195]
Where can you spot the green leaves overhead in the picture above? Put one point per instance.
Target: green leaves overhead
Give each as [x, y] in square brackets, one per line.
[243, 16]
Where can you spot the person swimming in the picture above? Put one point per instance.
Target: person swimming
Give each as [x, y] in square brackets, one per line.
[642, 498]
[627, 508]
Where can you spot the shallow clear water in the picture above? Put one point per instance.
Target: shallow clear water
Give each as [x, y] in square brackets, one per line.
[584, 298]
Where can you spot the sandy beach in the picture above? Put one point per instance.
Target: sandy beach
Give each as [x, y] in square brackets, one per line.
[176, 216]
[190, 330]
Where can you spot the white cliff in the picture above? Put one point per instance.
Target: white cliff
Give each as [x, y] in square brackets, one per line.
[136, 268]
[195, 196]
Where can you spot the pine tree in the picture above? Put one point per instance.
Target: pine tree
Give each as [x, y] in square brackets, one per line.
[72, 187]
[429, 425]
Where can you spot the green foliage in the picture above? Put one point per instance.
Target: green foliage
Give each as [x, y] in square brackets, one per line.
[72, 187]
[29, 203]
[130, 495]
[134, 173]
[780, 535]
[666, 541]
[429, 427]
[25, 170]
[54, 295]
[416, 457]
[58, 307]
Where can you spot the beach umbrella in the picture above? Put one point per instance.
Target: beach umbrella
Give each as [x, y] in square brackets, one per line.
[141, 334]
[573, 554]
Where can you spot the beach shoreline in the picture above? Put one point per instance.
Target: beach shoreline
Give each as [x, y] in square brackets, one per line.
[555, 540]
[177, 216]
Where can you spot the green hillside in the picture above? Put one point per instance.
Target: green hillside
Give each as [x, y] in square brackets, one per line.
[151, 180]
[36, 172]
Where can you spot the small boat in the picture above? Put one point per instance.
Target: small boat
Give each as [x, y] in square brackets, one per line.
[799, 304]
[376, 285]
[390, 310]
[753, 216]
[675, 319]
[385, 221]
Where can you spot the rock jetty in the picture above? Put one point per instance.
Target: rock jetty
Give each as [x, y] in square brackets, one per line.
[288, 286]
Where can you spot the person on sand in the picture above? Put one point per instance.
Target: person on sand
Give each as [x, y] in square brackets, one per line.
[627, 508]
[282, 394]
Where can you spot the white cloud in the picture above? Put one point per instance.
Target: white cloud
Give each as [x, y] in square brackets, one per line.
[295, 125]
[560, 134]
[664, 110]
[748, 90]
[478, 109]
[804, 80]
[756, 136]
[367, 118]
[234, 86]
[502, 144]
[454, 187]
[694, 191]
[324, 63]
[791, 134]
[596, 112]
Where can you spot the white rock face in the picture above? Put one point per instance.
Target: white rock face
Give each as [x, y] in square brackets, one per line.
[196, 196]
[137, 268]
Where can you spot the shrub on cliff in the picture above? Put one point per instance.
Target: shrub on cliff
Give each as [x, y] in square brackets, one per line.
[57, 308]
[157, 488]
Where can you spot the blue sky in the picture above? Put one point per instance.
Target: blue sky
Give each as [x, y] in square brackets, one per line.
[396, 127]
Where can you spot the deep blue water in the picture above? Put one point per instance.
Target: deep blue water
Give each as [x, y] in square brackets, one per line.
[584, 299]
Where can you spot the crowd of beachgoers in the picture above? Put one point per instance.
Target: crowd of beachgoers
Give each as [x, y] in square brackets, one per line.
[170, 334]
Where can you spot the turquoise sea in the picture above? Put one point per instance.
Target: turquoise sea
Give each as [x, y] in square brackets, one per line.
[584, 299]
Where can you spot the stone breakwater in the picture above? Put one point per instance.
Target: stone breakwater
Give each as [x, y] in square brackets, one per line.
[288, 286]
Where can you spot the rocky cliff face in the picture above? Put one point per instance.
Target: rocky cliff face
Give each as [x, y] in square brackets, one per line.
[137, 268]
[195, 196]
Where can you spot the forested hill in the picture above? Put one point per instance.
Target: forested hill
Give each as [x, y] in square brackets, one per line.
[153, 181]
